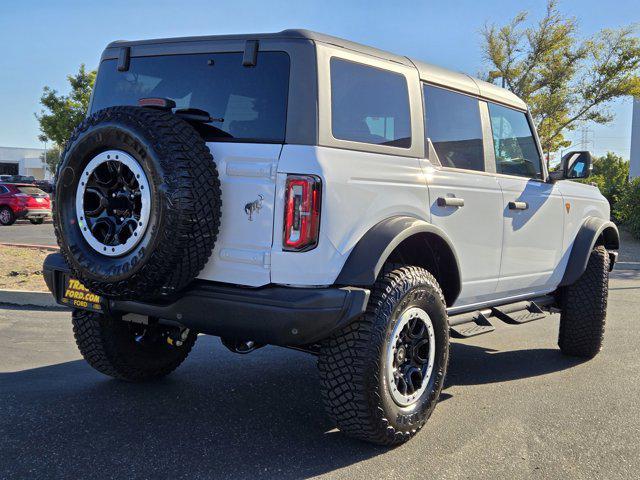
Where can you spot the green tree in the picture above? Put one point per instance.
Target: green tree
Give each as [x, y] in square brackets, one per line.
[611, 175]
[62, 113]
[565, 80]
[52, 158]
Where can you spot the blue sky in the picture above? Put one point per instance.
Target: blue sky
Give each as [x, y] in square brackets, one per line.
[42, 41]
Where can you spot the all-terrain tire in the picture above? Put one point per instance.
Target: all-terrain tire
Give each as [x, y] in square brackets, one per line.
[584, 308]
[6, 216]
[109, 345]
[352, 361]
[185, 206]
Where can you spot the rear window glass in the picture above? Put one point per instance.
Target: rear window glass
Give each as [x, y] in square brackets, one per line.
[369, 105]
[246, 103]
[31, 190]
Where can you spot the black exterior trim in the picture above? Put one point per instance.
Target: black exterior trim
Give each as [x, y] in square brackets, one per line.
[124, 58]
[592, 229]
[369, 255]
[272, 315]
[250, 54]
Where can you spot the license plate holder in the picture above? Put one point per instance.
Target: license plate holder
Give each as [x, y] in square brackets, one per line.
[75, 295]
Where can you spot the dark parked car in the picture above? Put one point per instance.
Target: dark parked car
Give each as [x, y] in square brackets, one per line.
[25, 179]
[45, 185]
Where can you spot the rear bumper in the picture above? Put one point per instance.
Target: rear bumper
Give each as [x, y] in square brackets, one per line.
[33, 213]
[273, 314]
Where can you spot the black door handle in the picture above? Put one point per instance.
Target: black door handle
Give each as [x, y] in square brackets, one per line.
[450, 202]
[518, 205]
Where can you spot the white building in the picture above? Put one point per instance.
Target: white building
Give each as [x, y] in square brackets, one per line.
[23, 161]
[634, 167]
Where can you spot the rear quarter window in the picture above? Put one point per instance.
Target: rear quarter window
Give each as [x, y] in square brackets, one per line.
[369, 105]
[246, 103]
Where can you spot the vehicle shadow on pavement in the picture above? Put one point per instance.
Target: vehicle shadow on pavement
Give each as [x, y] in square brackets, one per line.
[218, 416]
[476, 365]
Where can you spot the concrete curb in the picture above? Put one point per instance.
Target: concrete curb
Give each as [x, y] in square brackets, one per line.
[29, 298]
[28, 245]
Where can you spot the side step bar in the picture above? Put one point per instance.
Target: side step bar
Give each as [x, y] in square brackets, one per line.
[470, 324]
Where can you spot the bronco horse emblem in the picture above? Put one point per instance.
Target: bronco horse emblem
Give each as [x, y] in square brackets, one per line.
[253, 207]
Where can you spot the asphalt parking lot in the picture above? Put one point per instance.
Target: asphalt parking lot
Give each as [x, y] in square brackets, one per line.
[513, 407]
[24, 232]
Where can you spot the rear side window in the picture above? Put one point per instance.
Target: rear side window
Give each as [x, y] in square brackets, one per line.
[515, 147]
[369, 105]
[452, 123]
[246, 103]
[3, 189]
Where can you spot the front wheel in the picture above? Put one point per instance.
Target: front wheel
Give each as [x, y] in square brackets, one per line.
[6, 216]
[128, 351]
[584, 308]
[382, 375]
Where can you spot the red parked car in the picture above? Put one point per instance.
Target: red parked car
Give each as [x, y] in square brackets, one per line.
[23, 201]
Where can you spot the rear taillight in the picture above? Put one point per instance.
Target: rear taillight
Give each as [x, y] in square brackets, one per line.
[301, 212]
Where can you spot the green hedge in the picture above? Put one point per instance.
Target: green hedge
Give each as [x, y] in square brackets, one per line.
[627, 210]
[611, 175]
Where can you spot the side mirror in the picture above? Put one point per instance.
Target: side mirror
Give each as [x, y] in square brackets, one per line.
[573, 165]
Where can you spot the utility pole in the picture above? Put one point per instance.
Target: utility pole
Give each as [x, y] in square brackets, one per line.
[585, 132]
[634, 164]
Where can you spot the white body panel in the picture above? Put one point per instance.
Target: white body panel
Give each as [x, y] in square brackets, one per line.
[584, 201]
[502, 253]
[247, 174]
[475, 229]
[532, 238]
[359, 189]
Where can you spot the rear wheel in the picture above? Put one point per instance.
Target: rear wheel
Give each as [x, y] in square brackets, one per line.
[129, 351]
[6, 216]
[382, 375]
[584, 308]
[37, 221]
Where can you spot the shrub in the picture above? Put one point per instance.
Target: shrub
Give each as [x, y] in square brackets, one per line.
[611, 175]
[627, 210]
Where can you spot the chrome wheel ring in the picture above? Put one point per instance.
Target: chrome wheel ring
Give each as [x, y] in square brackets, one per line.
[410, 356]
[113, 203]
[5, 215]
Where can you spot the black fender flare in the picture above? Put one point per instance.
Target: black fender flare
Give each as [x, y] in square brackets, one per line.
[591, 230]
[372, 251]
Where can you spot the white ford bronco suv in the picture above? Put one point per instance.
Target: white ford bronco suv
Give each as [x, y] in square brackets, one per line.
[300, 190]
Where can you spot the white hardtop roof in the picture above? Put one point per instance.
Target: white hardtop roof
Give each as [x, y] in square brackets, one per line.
[428, 73]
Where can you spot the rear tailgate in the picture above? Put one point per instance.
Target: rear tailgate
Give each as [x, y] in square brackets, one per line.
[246, 102]
[243, 249]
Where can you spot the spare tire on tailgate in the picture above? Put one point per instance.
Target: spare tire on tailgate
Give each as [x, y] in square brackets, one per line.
[137, 203]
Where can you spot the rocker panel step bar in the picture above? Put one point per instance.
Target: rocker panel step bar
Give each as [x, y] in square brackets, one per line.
[470, 324]
[477, 326]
